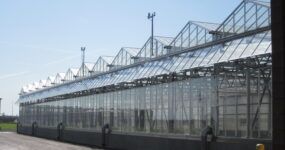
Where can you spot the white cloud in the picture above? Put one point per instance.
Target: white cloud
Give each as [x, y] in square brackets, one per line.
[36, 47]
[11, 75]
[61, 60]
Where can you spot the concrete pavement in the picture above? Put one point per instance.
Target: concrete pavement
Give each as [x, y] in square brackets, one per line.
[14, 141]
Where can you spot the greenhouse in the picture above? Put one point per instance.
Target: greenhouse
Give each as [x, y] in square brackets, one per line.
[214, 75]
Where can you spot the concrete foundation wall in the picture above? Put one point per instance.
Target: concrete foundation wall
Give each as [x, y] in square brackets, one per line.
[141, 142]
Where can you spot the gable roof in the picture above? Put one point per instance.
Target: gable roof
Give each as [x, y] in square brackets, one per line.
[89, 65]
[74, 70]
[107, 59]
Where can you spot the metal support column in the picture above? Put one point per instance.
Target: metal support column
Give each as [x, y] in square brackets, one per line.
[278, 66]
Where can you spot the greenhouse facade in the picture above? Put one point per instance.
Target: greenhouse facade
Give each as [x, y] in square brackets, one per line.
[209, 75]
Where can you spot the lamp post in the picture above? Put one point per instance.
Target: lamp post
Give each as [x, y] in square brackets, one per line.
[151, 16]
[83, 59]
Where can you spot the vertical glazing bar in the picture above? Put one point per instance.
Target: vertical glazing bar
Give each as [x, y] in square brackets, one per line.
[234, 23]
[258, 97]
[244, 13]
[236, 108]
[256, 16]
[269, 121]
[189, 34]
[248, 103]
[205, 35]
[197, 32]
[181, 41]
[216, 80]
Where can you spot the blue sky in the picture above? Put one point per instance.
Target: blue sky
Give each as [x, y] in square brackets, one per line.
[40, 38]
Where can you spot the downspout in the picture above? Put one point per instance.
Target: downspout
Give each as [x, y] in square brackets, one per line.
[204, 137]
[60, 128]
[34, 127]
[105, 130]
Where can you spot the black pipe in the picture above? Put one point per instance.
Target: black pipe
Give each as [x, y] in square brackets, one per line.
[105, 128]
[34, 127]
[204, 137]
[60, 128]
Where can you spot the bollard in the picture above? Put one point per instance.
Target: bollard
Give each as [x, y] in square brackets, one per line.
[260, 147]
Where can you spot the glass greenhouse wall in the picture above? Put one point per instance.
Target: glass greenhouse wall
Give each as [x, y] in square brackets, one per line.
[204, 77]
[235, 104]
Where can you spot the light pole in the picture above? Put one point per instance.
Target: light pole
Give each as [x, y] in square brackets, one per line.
[151, 16]
[83, 59]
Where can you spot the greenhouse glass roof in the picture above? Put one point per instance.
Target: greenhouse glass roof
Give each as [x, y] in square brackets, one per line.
[197, 45]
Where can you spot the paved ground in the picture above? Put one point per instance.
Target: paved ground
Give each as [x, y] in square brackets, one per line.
[14, 141]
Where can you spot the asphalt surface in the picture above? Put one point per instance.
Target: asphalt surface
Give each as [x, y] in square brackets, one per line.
[14, 141]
